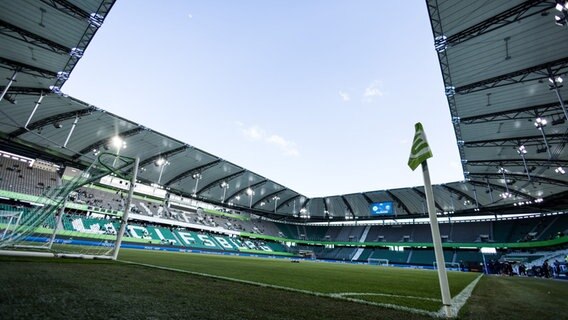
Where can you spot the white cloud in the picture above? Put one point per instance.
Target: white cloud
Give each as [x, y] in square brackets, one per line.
[344, 96]
[372, 91]
[288, 148]
[253, 132]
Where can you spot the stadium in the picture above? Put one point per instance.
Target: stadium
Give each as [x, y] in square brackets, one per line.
[102, 217]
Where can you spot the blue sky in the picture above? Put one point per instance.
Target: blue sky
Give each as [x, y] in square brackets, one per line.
[320, 96]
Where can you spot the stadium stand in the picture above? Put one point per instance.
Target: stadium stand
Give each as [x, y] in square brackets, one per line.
[162, 222]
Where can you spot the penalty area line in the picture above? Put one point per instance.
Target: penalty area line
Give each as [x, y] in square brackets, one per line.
[313, 293]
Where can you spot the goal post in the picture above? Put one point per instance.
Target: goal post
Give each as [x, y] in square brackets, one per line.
[452, 266]
[378, 262]
[53, 225]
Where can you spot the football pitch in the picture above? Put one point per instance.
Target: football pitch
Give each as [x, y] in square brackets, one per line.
[162, 285]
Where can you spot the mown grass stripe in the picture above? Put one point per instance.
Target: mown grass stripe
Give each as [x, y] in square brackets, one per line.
[313, 293]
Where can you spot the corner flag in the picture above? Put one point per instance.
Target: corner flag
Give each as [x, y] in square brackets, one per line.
[419, 153]
[420, 150]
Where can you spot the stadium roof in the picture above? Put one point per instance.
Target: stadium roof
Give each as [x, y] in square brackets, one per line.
[496, 59]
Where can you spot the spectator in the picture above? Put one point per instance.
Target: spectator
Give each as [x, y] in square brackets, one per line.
[546, 269]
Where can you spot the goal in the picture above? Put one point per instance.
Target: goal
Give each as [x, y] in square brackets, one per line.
[452, 266]
[378, 262]
[53, 225]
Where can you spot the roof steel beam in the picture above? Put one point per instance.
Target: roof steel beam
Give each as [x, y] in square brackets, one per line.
[225, 178]
[348, 205]
[27, 69]
[369, 200]
[272, 194]
[24, 90]
[106, 140]
[53, 119]
[90, 31]
[18, 33]
[288, 201]
[517, 162]
[516, 141]
[527, 113]
[436, 23]
[68, 8]
[459, 192]
[501, 188]
[514, 14]
[423, 195]
[191, 171]
[164, 155]
[398, 201]
[252, 186]
[518, 176]
[538, 72]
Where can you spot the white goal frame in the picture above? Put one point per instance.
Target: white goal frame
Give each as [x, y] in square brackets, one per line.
[379, 262]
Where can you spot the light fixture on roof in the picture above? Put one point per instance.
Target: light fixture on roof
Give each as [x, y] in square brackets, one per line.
[441, 43]
[76, 52]
[118, 143]
[275, 198]
[521, 150]
[562, 7]
[162, 163]
[560, 170]
[250, 193]
[540, 123]
[225, 186]
[555, 84]
[95, 20]
[197, 176]
[507, 194]
[450, 91]
[62, 75]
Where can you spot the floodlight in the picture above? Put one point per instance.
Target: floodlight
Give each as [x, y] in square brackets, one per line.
[160, 161]
[540, 122]
[521, 150]
[250, 192]
[560, 170]
[441, 43]
[118, 143]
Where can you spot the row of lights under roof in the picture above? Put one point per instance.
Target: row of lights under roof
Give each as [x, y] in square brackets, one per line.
[524, 203]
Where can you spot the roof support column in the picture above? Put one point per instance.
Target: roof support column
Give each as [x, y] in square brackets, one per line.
[12, 79]
[38, 102]
[71, 131]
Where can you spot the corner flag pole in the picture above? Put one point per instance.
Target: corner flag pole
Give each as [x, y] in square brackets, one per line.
[419, 154]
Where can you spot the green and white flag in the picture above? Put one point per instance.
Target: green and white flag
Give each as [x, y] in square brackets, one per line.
[420, 150]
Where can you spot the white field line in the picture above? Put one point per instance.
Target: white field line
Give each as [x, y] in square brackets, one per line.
[343, 294]
[459, 301]
[313, 293]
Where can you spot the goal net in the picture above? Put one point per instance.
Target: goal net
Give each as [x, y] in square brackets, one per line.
[452, 266]
[378, 262]
[56, 225]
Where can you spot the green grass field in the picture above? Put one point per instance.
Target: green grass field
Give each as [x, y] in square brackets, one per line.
[227, 287]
